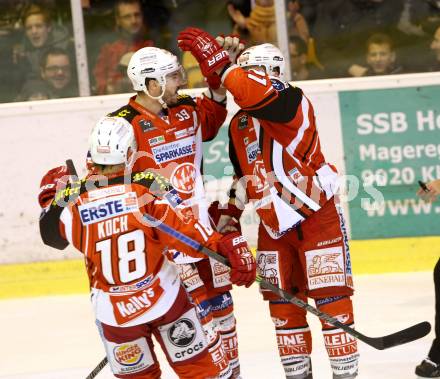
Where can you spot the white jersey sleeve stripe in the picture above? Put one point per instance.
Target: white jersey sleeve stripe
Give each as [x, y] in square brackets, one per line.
[278, 167]
[304, 126]
[309, 161]
[66, 219]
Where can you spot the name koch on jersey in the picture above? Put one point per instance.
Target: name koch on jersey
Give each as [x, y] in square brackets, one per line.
[174, 150]
[106, 208]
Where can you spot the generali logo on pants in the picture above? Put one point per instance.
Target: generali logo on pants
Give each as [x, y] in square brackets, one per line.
[325, 267]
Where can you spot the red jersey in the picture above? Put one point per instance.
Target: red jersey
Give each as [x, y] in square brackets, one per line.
[131, 280]
[172, 142]
[172, 139]
[275, 148]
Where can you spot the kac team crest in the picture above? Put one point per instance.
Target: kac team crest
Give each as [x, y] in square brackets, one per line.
[183, 177]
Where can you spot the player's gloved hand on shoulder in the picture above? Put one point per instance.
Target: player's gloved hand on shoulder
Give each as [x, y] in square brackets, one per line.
[226, 218]
[243, 266]
[55, 178]
[204, 48]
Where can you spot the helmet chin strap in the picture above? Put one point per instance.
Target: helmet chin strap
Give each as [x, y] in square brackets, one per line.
[159, 98]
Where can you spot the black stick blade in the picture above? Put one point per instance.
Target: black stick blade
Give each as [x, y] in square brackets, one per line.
[71, 167]
[401, 337]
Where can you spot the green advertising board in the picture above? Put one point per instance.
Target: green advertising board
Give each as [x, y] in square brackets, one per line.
[216, 163]
[391, 140]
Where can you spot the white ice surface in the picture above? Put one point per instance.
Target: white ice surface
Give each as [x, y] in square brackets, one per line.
[56, 338]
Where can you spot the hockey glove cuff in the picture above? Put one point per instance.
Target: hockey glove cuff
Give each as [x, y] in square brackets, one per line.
[243, 265]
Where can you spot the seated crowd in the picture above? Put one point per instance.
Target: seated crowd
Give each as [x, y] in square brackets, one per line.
[327, 39]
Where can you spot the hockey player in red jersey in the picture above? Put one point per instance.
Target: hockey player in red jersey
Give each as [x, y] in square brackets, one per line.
[136, 290]
[169, 129]
[302, 240]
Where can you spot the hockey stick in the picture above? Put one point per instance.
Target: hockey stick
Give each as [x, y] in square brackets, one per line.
[399, 338]
[381, 343]
[71, 168]
[97, 369]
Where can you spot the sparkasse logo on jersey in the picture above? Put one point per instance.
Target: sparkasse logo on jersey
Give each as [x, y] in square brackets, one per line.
[174, 150]
[109, 207]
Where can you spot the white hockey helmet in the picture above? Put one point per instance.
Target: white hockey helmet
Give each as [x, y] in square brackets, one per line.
[266, 55]
[110, 141]
[152, 62]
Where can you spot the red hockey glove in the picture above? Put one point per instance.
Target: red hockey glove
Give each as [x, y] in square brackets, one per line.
[243, 265]
[214, 81]
[204, 48]
[225, 218]
[56, 177]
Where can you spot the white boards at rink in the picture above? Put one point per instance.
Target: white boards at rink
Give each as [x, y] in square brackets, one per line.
[383, 132]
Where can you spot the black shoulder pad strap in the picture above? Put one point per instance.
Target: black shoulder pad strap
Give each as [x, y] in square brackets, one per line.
[283, 109]
[232, 152]
[127, 112]
[184, 100]
[156, 184]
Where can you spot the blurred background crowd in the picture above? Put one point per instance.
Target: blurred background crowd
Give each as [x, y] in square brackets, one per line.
[327, 39]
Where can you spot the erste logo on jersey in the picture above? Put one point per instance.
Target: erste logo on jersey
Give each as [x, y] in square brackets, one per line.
[252, 151]
[109, 207]
[174, 150]
[183, 177]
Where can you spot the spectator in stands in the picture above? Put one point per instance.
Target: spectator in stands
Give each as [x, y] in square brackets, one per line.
[309, 11]
[238, 11]
[297, 24]
[57, 72]
[380, 58]
[260, 24]
[56, 78]
[40, 35]
[300, 69]
[130, 25]
[435, 47]
[342, 24]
